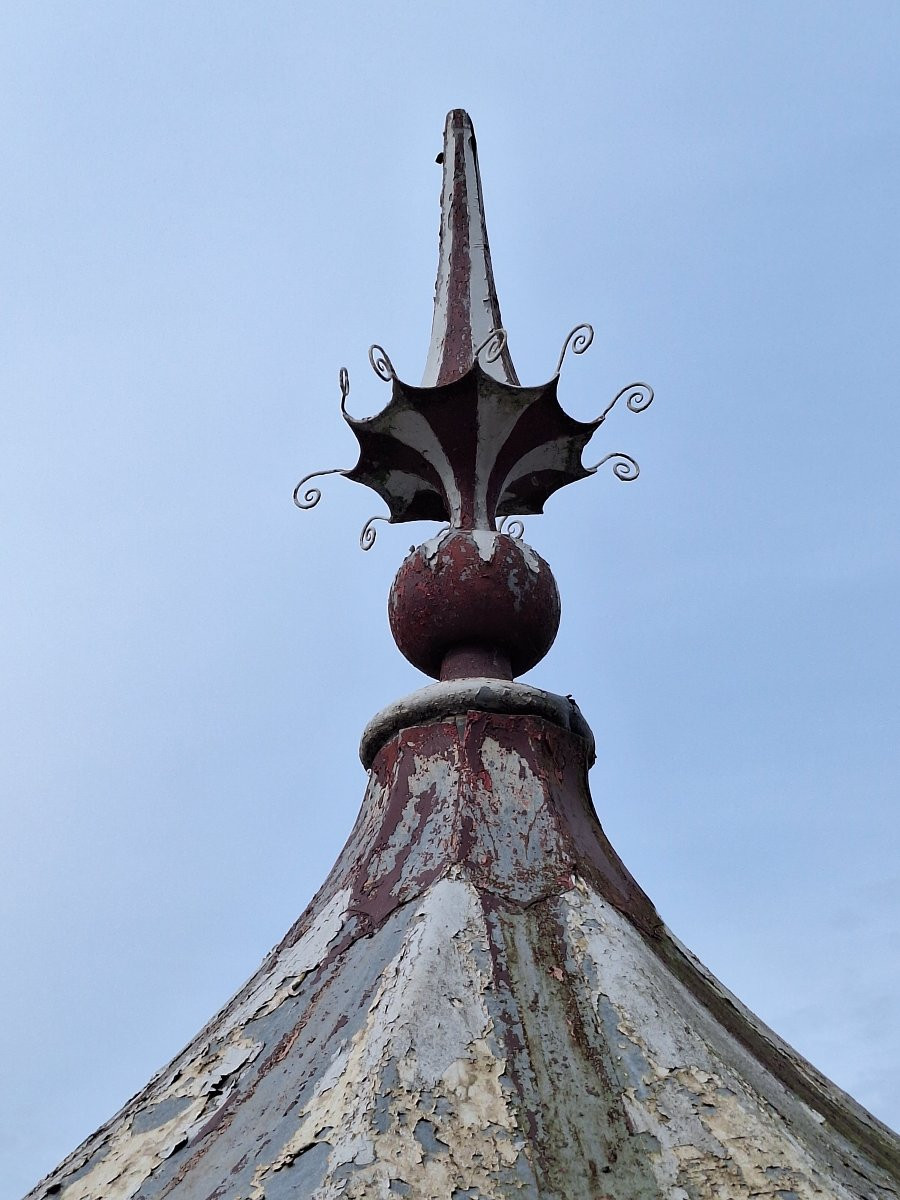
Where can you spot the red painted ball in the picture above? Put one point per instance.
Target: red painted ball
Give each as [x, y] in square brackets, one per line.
[474, 597]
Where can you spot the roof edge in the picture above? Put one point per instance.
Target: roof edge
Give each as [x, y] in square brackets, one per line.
[869, 1136]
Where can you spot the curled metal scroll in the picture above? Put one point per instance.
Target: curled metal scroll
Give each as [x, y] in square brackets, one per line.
[493, 345]
[640, 396]
[624, 468]
[344, 381]
[313, 495]
[514, 529]
[579, 339]
[381, 364]
[368, 534]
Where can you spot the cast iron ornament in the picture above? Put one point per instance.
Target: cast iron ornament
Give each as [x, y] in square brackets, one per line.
[474, 450]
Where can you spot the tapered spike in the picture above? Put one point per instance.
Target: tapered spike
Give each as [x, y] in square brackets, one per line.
[466, 308]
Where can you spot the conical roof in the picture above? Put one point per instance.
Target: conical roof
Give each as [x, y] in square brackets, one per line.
[481, 1001]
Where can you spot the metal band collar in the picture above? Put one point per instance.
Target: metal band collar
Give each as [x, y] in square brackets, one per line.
[455, 697]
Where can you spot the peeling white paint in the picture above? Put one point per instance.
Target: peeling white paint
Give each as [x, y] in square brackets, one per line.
[429, 550]
[202, 1075]
[429, 776]
[484, 311]
[436, 983]
[270, 988]
[131, 1156]
[502, 1031]
[717, 1135]
[532, 562]
[486, 541]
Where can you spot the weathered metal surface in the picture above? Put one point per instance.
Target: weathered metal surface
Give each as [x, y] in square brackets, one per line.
[470, 445]
[447, 699]
[477, 599]
[474, 660]
[469, 450]
[481, 1002]
[466, 308]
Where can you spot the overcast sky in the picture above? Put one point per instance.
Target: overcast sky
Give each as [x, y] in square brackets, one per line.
[207, 210]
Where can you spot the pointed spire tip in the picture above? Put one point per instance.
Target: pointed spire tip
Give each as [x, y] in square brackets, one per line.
[458, 118]
[466, 308]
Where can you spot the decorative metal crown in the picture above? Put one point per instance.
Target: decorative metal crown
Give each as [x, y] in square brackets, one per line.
[470, 446]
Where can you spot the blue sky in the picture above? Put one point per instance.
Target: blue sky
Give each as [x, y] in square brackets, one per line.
[209, 209]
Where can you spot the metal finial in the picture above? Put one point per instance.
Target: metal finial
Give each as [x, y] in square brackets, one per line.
[471, 446]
